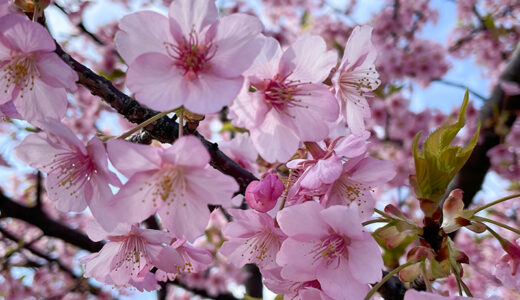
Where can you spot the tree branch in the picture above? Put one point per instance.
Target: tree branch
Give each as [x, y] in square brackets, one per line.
[50, 227]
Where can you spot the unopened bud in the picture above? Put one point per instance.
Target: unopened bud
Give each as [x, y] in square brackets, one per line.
[452, 208]
[262, 195]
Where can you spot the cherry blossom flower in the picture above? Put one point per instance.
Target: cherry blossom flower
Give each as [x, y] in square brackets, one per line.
[176, 185]
[308, 290]
[252, 238]
[331, 246]
[356, 78]
[241, 150]
[31, 74]
[194, 260]
[507, 267]
[77, 176]
[191, 58]
[289, 103]
[359, 176]
[129, 254]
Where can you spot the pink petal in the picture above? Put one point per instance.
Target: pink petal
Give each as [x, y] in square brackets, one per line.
[355, 115]
[99, 201]
[297, 261]
[310, 117]
[359, 51]
[186, 217]
[66, 138]
[36, 151]
[43, 101]
[156, 82]
[176, 154]
[55, 72]
[249, 109]
[5, 51]
[142, 32]
[371, 170]
[143, 157]
[364, 259]
[343, 220]
[340, 283]
[267, 62]
[68, 197]
[9, 110]
[274, 131]
[324, 172]
[165, 258]
[238, 43]
[352, 145]
[7, 92]
[96, 233]
[97, 153]
[25, 36]
[308, 60]
[188, 15]
[303, 221]
[209, 93]
[135, 201]
[152, 236]
[212, 186]
[98, 265]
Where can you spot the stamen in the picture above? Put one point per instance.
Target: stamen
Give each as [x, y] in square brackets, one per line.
[360, 81]
[73, 171]
[21, 72]
[281, 93]
[190, 56]
[331, 250]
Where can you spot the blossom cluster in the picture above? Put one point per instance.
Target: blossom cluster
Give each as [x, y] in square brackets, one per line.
[309, 123]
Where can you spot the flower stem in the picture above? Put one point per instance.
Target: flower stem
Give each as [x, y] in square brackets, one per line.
[495, 202]
[286, 190]
[425, 277]
[499, 224]
[376, 287]
[181, 121]
[144, 124]
[378, 220]
[383, 214]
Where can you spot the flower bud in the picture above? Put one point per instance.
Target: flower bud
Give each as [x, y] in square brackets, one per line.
[262, 195]
[451, 210]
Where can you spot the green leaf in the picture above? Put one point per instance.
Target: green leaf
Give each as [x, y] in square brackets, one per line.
[278, 297]
[247, 297]
[438, 161]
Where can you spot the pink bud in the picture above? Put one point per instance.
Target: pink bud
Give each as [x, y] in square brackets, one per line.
[262, 195]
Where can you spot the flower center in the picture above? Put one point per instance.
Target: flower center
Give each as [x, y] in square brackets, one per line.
[132, 255]
[73, 171]
[281, 93]
[191, 56]
[332, 249]
[261, 247]
[170, 186]
[20, 71]
[359, 81]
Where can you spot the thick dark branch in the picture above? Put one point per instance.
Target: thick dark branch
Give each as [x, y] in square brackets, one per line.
[36, 251]
[39, 189]
[497, 116]
[164, 130]
[393, 289]
[204, 293]
[50, 227]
